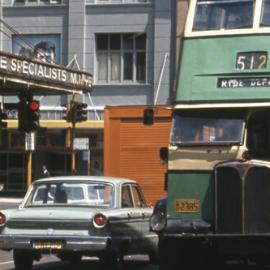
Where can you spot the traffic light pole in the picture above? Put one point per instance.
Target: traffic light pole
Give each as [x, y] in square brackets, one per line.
[29, 169]
[72, 135]
[73, 154]
[75, 113]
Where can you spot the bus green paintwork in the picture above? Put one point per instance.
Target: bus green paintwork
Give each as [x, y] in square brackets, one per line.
[203, 62]
[191, 185]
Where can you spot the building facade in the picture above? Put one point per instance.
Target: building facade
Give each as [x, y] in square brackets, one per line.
[127, 45]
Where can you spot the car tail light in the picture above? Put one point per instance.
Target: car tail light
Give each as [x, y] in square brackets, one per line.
[2, 219]
[100, 220]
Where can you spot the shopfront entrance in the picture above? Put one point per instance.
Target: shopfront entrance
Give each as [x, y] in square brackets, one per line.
[51, 150]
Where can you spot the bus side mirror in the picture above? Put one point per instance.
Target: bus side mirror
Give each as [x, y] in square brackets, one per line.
[163, 154]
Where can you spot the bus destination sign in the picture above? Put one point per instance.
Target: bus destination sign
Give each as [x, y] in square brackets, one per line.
[244, 82]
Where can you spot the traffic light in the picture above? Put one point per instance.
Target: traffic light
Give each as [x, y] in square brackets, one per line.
[78, 111]
[148, 116]
[23, 115]
[28, 115]
[33, 108]
[75, 112]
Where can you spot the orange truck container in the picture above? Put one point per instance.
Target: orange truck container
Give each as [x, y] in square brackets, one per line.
[132, 147]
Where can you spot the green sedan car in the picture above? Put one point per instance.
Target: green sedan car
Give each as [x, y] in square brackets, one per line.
[73, 216]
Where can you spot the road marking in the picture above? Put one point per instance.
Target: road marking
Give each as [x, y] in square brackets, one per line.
[1, 263]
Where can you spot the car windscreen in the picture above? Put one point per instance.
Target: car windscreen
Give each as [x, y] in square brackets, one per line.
[55, 193]
[206, 129]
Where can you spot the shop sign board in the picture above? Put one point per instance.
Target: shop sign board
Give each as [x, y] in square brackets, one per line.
[30, 141]
[81, 144]
[14, 65]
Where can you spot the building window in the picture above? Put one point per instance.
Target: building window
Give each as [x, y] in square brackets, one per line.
[36, 2]
[42, 47]
[121, 58]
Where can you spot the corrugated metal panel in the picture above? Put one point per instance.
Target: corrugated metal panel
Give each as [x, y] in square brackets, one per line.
[139, 155]
[131, 149]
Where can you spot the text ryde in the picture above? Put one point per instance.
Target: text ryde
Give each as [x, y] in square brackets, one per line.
[243, 82]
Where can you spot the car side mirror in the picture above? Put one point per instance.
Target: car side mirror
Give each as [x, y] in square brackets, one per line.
[1, 186]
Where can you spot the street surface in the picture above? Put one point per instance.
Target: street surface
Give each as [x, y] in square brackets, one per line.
[131, 263]
[138, 262]
[52, 263]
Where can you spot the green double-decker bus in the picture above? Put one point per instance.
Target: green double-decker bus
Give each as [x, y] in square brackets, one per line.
[218, 182]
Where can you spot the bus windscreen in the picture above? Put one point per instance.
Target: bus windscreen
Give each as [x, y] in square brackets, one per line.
[206, 130]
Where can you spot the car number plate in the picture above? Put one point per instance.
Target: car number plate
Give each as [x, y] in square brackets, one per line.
[187, 205]
[42, 244]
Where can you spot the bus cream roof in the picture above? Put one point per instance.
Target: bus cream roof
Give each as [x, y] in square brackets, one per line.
[256, 29]
[222, 105]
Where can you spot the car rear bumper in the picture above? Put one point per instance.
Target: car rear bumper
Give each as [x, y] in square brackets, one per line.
[54, 242]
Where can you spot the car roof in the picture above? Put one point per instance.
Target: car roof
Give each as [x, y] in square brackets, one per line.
[115, 180]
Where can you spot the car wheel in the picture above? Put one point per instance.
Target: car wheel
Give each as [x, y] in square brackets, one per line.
[112, 260]
[23, 260]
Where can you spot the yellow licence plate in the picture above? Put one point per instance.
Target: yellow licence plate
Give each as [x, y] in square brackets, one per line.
[47, 244]
[187, 205]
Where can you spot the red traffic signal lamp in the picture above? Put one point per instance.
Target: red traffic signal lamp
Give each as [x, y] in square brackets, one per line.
[33, 109]
[33, 105]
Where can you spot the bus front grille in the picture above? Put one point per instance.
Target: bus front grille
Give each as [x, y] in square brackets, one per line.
[229, 203]
[242, 199]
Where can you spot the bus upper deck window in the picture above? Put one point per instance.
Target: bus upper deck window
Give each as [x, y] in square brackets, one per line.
[223, 14]
[265, 16]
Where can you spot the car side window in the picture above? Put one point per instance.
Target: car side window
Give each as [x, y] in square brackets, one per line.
[44, 194]
[126, 200]
[74, 193]
[39, 195]
[137, 197]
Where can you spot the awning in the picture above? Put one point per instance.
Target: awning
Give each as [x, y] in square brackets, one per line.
[61, 124]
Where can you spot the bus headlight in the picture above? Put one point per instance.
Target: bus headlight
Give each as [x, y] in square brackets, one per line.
[157, 222]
